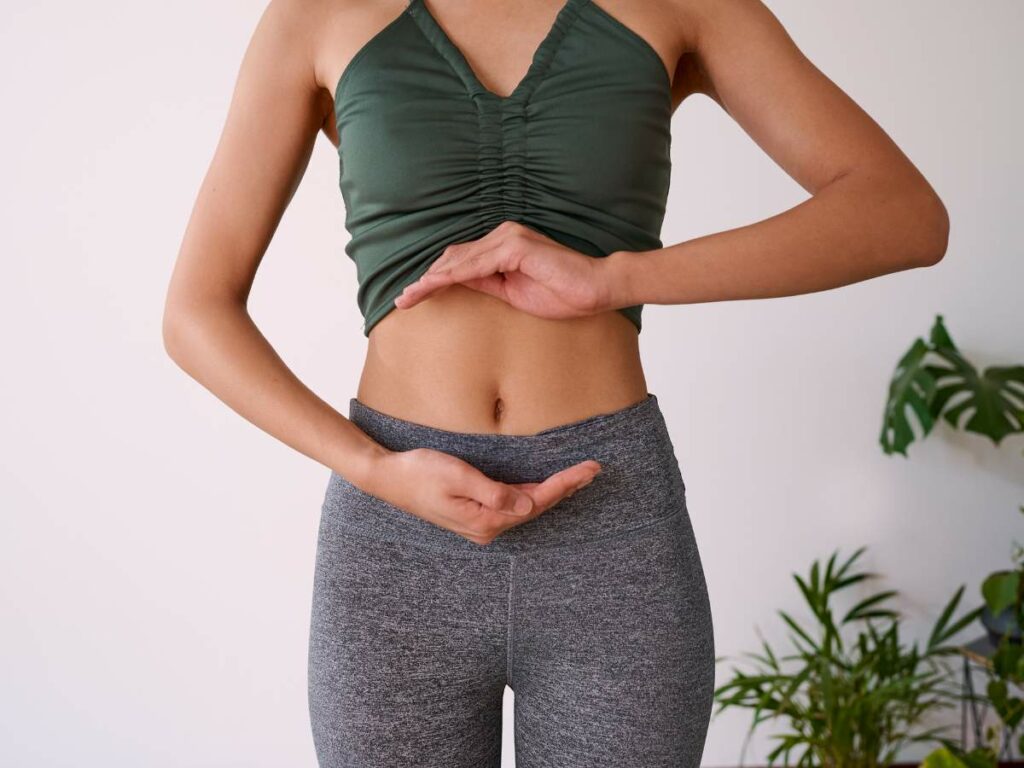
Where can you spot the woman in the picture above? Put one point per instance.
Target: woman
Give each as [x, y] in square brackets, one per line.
[505, 506]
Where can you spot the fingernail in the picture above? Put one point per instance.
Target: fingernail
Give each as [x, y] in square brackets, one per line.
[523, 505]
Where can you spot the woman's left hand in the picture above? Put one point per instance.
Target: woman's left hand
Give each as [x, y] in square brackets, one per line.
[524, 268]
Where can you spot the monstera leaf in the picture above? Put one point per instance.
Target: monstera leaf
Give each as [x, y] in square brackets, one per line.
[912, 387]
[989, 403]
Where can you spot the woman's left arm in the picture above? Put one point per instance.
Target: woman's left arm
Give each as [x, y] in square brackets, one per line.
[871, 210]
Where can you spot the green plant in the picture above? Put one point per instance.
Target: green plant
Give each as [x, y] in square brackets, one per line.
[1005, 589]
[935, 381]
[950, 756]
[847, 704]
[1003, 592]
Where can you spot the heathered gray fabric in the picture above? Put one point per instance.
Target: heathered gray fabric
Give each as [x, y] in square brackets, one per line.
[596, 613]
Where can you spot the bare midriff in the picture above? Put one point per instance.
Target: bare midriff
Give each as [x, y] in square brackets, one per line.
[465, 361]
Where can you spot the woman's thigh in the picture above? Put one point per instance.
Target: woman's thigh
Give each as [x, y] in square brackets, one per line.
[407, 655]
[612, 651]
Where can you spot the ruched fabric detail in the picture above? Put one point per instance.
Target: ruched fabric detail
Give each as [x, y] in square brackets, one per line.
[429, 156]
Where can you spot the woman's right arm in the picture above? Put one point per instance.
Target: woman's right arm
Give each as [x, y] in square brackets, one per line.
[275, 115]
[276, 112]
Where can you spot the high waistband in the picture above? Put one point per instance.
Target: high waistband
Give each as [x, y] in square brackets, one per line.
[640, 482]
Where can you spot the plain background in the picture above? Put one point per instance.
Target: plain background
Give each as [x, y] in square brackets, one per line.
[158, 550]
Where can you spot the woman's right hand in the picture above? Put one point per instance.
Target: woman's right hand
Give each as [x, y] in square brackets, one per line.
[449, 492]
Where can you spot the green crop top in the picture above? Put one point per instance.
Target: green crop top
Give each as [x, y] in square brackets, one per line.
[579, 151]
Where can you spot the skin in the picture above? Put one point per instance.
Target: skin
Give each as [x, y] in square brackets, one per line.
[514, 333]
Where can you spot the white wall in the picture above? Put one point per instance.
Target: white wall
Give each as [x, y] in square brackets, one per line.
[158, 550]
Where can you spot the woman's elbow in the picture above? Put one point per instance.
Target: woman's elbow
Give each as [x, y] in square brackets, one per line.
[182, 324]
[175, 320]
[930, 220]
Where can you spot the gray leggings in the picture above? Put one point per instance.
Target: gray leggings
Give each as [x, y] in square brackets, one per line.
[595, 613]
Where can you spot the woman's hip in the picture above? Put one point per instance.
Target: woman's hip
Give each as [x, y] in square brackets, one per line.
[639, 485]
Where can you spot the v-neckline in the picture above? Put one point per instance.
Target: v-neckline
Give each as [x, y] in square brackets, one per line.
[458, 61]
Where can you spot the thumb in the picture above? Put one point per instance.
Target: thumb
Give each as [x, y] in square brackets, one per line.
[498, 496]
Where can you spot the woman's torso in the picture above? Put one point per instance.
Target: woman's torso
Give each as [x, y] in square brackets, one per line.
[466, 361]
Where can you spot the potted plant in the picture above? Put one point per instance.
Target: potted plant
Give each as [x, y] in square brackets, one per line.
[935, 381]
[847, 702]
[1003, 592]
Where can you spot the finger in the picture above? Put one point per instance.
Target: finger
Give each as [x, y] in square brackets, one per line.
[584, 473]
[431, 282]
[569, 480]
[560, 484]
[488, 240]
[469, 515]
[493, 285]
[504, 520]
[491, 259]
[450, 254]
[456, 252]
[525, 486]
[481, 524]
[415, 292]
[497, 496]
[485, 261]
[453, 253]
